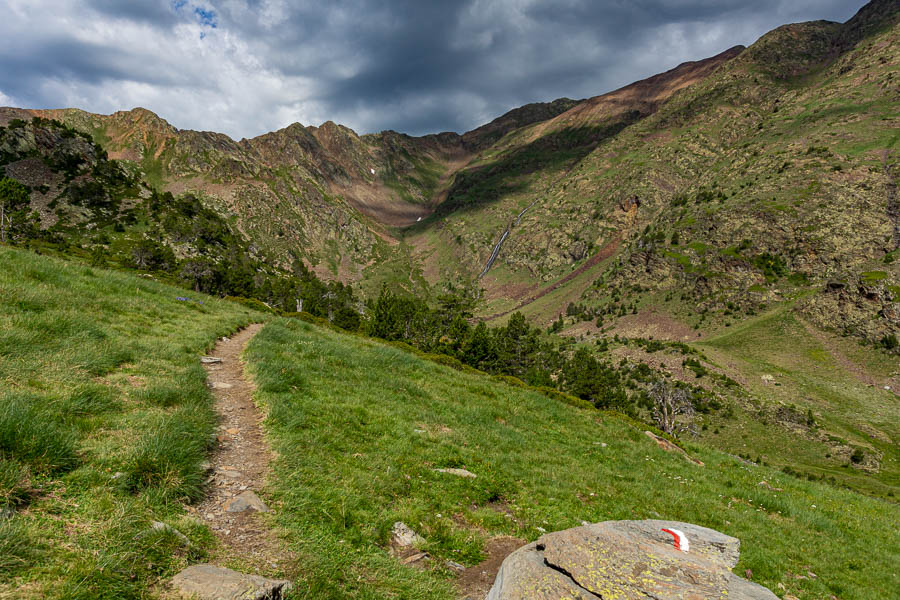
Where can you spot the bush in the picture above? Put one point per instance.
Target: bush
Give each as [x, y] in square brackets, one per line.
[31, 436]
[252, 303]
[510, 380]
[694, 365]
[555, 394]
[772, 265]
[890, 342]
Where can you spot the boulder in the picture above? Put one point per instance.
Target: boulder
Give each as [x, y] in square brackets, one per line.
[626, 560]
[209, 582]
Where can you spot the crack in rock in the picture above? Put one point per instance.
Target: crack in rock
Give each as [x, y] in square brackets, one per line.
[563, 571]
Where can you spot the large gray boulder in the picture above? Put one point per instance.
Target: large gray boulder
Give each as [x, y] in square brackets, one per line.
[209, 582]
[626, 560]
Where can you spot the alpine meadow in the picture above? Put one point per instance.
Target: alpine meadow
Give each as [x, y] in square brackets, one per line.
[638, 345]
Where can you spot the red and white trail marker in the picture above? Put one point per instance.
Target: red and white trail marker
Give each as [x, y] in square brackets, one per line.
[681, 541]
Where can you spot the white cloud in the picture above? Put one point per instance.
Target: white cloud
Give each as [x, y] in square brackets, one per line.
[6, 100]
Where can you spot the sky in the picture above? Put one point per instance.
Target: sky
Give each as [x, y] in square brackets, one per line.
[244, 67]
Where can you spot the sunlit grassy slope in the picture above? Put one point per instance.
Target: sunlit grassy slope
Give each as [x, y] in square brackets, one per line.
[818, 372]
[105, 420]
[359, 428]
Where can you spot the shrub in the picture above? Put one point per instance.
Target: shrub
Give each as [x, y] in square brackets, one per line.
[890, 342]
[696, 366]
[555, 394]
[510, 380]
[253, 303]
[772, 265]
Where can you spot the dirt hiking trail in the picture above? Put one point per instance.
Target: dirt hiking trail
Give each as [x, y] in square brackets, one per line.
[239, 465]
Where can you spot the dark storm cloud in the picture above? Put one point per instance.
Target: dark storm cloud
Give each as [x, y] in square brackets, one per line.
[247, 66]
[158, 12]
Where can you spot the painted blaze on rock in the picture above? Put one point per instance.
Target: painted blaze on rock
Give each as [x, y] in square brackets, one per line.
[626, 560]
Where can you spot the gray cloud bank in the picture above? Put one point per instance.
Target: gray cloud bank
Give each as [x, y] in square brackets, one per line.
[244, 67]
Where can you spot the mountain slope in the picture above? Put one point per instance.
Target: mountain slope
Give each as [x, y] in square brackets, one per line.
[334, 196]
[771, 147]
[105, 422]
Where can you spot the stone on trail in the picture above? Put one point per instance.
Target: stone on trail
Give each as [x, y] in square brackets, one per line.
[458, 472]
[210, 360]
[209, 582]
[454, 566]
[629, 560]
[221, 385]
[245, 501]
[414, 558]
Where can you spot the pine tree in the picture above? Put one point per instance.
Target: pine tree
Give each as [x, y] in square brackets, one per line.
[479, 351]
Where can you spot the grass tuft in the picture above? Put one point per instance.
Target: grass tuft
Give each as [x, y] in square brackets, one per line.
[167, 458]
[17, 548]
[32, 436]
[14, 482]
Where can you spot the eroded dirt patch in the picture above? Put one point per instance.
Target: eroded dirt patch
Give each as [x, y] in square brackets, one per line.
[475, 582]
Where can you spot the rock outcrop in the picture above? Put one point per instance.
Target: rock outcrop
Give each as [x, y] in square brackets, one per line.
[626, 560]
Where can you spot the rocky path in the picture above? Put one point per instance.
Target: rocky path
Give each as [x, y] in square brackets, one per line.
[238, 468]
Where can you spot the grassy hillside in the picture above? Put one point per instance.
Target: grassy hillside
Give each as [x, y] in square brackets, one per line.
[105, 420]
[359, 428]
[790, 373]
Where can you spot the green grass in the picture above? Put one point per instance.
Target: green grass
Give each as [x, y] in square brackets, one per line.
[104, 423]
[873, 276]
[343, 415]
[809, 375]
